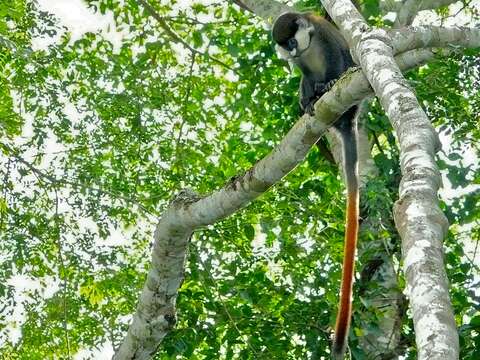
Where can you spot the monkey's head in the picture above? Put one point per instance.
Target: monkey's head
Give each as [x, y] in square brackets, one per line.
[292, 33]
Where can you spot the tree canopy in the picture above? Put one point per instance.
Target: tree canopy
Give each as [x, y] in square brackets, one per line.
[100, 131]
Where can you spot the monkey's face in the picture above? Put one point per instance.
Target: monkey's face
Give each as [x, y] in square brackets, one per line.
[292, 33]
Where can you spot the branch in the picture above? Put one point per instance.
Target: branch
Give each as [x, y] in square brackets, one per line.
[407, 10]
[55, 181]
[420, 222]
[241, 5]
[268, 10]
[434, 36]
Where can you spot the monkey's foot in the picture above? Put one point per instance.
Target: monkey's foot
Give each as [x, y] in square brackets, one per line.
[330, 84]
[319, 88]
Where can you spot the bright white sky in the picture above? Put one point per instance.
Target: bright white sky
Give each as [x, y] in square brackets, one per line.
[74, 15]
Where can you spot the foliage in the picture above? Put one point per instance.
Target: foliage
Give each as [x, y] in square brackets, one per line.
[98, 133]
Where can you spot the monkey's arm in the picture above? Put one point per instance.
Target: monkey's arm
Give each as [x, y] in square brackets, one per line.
[310, 92]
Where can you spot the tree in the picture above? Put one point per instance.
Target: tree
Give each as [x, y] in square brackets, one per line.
[98, 136]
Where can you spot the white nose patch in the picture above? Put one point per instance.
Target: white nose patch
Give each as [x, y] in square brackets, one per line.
[282, 53]
[303, 38]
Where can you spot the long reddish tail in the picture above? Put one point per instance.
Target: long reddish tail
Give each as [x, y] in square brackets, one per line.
[345, 307]
[347, 128]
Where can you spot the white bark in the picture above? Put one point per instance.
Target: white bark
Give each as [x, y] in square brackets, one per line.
[268, 10]
[407, 12]
[421, 224]
[434, 36]
[418, 57]
[155, 315]
[418, 5]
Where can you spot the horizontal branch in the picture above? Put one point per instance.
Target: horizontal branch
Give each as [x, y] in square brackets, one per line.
[407, 10]
[411, 38]
[268, 10]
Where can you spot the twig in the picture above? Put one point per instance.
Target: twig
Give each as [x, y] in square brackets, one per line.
[242, 5]
[377, 142]
[175, 37]
[53, 180]
[63, 275]
[184, 108]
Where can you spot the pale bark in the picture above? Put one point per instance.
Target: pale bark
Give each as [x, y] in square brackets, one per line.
[434, 36]
[419, 57]
[407, 12]
[419, 5]
[156, 313]
[366, 165]
[421, 224]
[268, 10]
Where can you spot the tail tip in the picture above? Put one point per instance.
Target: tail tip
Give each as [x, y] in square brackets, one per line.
[338, 351]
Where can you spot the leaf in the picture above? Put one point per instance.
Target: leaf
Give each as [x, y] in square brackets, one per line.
[249, 231]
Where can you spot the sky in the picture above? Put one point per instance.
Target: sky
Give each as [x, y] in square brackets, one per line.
[74, 15]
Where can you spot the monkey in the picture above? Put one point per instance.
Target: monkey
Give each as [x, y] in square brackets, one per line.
[322, 54]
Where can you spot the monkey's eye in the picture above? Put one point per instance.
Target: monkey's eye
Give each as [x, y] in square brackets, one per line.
[292, 44]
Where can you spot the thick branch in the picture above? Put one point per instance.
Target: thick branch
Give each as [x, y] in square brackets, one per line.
[268, 10]
[407, 11]
[420, 222]
[396, 6]
[434, 36]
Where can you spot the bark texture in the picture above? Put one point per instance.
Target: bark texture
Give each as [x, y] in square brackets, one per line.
[408, 10]
[434, 36]
[268, 10]
[421, 224]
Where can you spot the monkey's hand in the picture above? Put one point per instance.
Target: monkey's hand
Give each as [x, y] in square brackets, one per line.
[306, 104]
[351, 70]
[310, 109]
[319, 89]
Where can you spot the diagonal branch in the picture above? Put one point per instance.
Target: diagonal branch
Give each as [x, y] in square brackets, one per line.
[175, 37]
[268, 10]
[240, 4]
